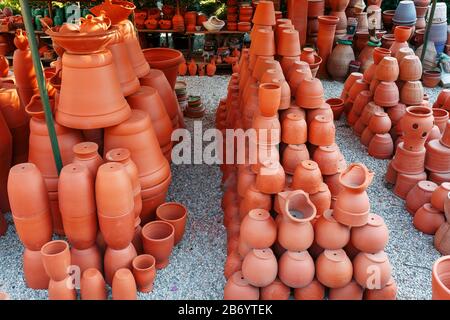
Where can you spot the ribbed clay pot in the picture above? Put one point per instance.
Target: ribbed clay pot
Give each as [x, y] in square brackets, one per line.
[296, 269]
[386, 94]
[372, 270]
[381, 146]
[144, 272]
[92, 285]
[239, 288]
[310, 94]
[410, 68]
[387, 70]
[372, 237]
[330, 234]
[334, 269]
[258, 229]
[412, 93]
[260, 267]
[158, 241]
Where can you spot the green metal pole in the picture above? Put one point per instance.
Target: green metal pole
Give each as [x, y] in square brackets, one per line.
[25, 8]
[427, 30]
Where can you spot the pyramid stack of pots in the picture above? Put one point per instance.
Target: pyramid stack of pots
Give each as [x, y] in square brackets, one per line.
[297, 217]
[113, 118]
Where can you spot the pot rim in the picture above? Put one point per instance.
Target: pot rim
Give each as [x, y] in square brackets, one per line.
[436, 274]
[368, 176]
[154, 223]
[54, 245]
[145, 257]
[175, 57]
[171, 205]
[419, 111]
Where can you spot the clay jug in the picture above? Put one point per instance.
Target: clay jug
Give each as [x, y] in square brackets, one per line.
[352, 206]
[340, 59]
[211, 68]
[86, 154]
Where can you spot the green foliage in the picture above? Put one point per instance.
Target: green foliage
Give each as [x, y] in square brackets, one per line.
[13, 4]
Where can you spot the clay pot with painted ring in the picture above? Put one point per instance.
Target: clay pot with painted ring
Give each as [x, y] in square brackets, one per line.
[158, 241]
[176, 214]
[294, 129]
[258, 229]
[330, 234]
[144, 272]
[307, 177]
[334, 269]
[365, 265]
[372, 237]
[419, 195]
[296, 269]
[260, 267]
[239, 288]
[56, 259]
[428, 219]
[92, 285]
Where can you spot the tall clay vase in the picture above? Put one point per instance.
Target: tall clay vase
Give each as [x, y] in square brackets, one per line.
[124, 285]
[325, 38]
[92, 285]
[158, 241]
[86, 153]
[6, 150]
[298, 14]
[352, 206]
[175, 214]
[76, 195]
[144, 272]
[32, 217]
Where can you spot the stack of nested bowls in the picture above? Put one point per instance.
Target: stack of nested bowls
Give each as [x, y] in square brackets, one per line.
[405, 14]
[195, 108]
[182, 97]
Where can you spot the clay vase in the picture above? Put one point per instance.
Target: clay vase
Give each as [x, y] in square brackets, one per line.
[87, 258]
[34, 271]
[76, 186]
[428, 219]
[307, 177]
[258, 229]
[92, 285]
[334, 269]
[351, 291]
[56, 259]
[277, 290]
[419, 195]
[321, 131]
[144, 272]
[117, 259]
[86, 153]
[372, 270]
[440, 278]
[124, 285]
[115, 204]
[292, 156]
[158, 241]
[330, 234]
[295, 231]
[148, 99]
[440, 195]
[352, 206]
[442, 240]
[416, 125]
[325, 37]
[260, 267]
[239, 288]
[271, 177]
[269, 99]
[296, 269]
[340, 59]
[61, 290]
[33, 214]
[122, 155]
[389, 292]
[372, 237]
[176, 214]
[313, 291]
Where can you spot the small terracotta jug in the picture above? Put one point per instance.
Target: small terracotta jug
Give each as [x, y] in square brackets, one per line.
[192, 68]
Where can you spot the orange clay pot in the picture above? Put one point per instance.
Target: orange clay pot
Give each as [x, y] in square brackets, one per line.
[144, 272]
[380, 123]
[321, 131]
[372, 237]
[158, 241]
[387, 70]
[352, 206]
[412, 93]
[416, 125]
[351, 291]
[116, 259]
[405, 182]
[310, 94]
[410, 68]
[334, 269]
[307, 177]
[263, 43]
[327, 158]
[428, 219]
[277, 290]
[323, 110]
[294, 129]
[61, 290]
[440, 195]
[254, 199]
[264, 14]
[56, 259]
[381, 146]
[321, 199]
[258, 229]
[440, 279]
[293, 155]
[379, 53]
[440, 118]
[367, 136]
[362, 99]
[389, 292]
[325, 37]
[246, 177]
[364, 265]
[295, 232]
[419, 195]
[296, 269]
[137, 59]
[437, 157]
[33, 270]
[386, 94]
[296, 77]
[33, 214]
[176, 214]
[409, 162]
[269, 99]
[260, 267]
[313, 291]
[86, 153]
[92, 285]
[76, 186]
[330, 234]
[239, 288]
[271, 177]
[124, 285]
[288, 43]
[233, 263]
[87, 258]
[307, 55]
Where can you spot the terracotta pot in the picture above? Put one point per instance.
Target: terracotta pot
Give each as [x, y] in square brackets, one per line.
[409, 162]
[263, 43]
[313, 291]
[288, 43]
[165, 59]
[86, 153]
[271, 177]
[379, 53]
[324, 110]
[322, 199]
[410, 68]
[254, 199]
[327, 27]
[402, 33]
[364, 266]
[412, 93]
[309, 94]
[386, 94]
[440, 279]
[295, 232]
[233, 263]
[307, 177]
[117, 259]
[440, 195]
[76, 186]
[293, 155]
[352, 206]
[351, 291]
[327, 158]
[321, 131]
[441, 239]
[238, 288]
[56, 259]
[361, 100]
[307, 55]
[339, 60]
[294, 130]
[144, 272]
[124, 285]
[269, 97]
[416, 125]
[259, 267]
[92, 285]
[61, 290]
[381, 146]
[440, 118]
[334, 269]
[380, 123]
[396, 113]
[258, 229]
[175, 214]
[330, 234]
[389, 292]
[267, 130]
[437, 157]
[366, 137]
[430, 78]
[337, 106]
[439, 177]
[372, 237]
[419, 195]
[351, 79]
[405, 182]
[428, 219]
[33, 214]
[277, 290]
[87, 258]
[296, 269]
[33, 270]
[158, 241]
[387, 69]
[264, 14]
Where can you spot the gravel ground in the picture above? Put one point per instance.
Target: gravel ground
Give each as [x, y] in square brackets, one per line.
[196, 267]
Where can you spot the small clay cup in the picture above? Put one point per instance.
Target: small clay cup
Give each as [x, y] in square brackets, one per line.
[175, 214]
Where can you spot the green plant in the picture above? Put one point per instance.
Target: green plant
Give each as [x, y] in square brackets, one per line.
[13, 4]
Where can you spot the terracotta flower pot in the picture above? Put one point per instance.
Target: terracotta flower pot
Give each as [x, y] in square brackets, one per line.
[387, 69]
[389, 292]
[440, 118]
[307, 177]
[61, 290]
[267, 130]
[440, 196]
[56, 259]
[33, 270]
[92, 285]
[441, 239]
[410, 68]
[294, 130]
[158, 241]
[258, 229]
[269, 97]
[263, 43]
[165, 59]
[396, 113]
[321, 131]
[322, 199]
[337, 106]
[371, 237]
[440, 279]
[352, 206]
[324, 110]
[405, 182]
[87, 258]
[412, 93]
[175, 214]
[437, 157]
[293, 155]
[409, 162]
[419, 195]
[86, 153]
[144, 272]
[334, 269]
[309, 94]
[327, 27]
[277, 290]
[239, 288]
[260, 267]
[379, 53]
[381, 146]
[271, 177]
[380, 123]
[386, 94]
[361, 100]
[330, 234]
[430, 78]
[313, 291]
[288, 43]
[117, 259]
[124, 285]
[351, 291]
[416, 125]
[364, 266]
[327, 158]
[428, 219]
[296, 269]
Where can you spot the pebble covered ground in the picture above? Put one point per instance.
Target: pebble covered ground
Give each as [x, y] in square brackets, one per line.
[196, 266]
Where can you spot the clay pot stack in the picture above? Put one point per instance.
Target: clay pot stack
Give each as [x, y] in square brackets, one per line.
[281, 207]
[316, 8]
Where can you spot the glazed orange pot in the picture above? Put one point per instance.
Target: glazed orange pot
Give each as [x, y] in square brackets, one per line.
[260, 267]
[239, 288]
[258, 229]
[124, 285]
[175, 214]
[296, 269]
[92, 285]
[56, 259]
[76, 186]
[117, 259]
[352, 206]
[158, 241]
[321, 131]
[330, 234]
[313, 291]
[34, 271]
[144, 272]
[307, 177]
[86, 154]
[372, 261]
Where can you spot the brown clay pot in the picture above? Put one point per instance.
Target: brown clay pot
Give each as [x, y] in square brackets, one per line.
[419, 195]
[56, 259]
[277, 290]
[294, 129]
[86, 153]
[372, 237]
[351, 291]
[260, 267]
[307, 177]
[158, 241]
[313, 291]
[144, 272]
[296, 269]
[175, 214]
[365, 265]
[334, 269]
[428, 219]
[258, 229]
[34, 271]
[239, 288]
[92, 285]
[330, 234]
[124, 285]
